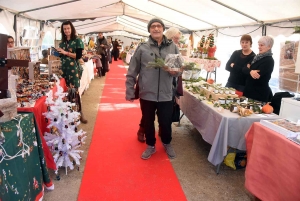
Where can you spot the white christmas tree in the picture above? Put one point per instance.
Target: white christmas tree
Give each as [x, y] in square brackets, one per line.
[64, 138]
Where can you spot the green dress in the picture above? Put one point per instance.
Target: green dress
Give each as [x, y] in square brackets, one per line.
[69, 66]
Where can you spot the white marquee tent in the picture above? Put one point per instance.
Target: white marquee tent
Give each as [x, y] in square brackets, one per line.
[227, 19]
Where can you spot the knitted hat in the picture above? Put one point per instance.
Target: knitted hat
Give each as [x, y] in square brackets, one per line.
[155, 20]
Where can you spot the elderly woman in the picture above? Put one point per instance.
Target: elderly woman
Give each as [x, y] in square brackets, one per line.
[259, 73]
[173, 34]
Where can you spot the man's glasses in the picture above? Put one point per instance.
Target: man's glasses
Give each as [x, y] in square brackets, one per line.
[10, 42]
[156, 26]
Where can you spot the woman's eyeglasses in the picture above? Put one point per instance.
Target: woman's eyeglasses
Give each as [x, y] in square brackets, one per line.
[10, 42]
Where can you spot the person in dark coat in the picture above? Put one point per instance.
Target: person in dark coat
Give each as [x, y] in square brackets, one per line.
[259, 73]
[238, 60]
[102, 50]
[116, 51]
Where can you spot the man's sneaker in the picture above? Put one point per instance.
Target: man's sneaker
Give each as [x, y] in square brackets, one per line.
[170, 151]
[148, 152]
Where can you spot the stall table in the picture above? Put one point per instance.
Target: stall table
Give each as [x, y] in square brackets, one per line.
[24, 176]
[218, 129]
[39, 108]
[273, 165]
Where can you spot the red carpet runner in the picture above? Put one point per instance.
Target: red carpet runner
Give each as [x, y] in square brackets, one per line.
[114, 169]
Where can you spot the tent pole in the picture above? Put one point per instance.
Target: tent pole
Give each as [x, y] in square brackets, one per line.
[16, 30]
[182, 13]
[264, 30]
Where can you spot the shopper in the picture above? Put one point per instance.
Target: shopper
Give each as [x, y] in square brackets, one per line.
[71, 51]
[259, 73]
[173, 34]
[155, 86]
[116, 50]
[45, 57]
[91, 44]
[238, 60]
[10, 42]
[109, 47]
[102, 50]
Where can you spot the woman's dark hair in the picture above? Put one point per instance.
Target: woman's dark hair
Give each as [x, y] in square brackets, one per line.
[73, 31]
[246, 38]
[11, 38]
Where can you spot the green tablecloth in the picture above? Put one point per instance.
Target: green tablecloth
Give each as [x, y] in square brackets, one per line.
[22, 177]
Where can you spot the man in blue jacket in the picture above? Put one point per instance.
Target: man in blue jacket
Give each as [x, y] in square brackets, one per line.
[155, 86]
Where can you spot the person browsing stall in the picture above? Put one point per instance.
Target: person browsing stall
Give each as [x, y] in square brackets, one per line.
[10, 42]
[238, 60]
[71, 51]
[101, 50]
[155, 84]
[260, 71]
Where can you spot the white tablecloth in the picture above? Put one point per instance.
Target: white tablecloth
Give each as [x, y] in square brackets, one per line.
[218, 129]
[87, 76]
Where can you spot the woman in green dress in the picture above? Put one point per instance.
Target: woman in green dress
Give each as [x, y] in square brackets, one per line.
[70, 50]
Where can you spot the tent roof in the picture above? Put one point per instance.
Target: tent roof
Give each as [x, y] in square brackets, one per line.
[132, 15]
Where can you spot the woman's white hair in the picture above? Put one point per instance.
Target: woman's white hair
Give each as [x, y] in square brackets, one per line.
[171, 32]
[266, 40]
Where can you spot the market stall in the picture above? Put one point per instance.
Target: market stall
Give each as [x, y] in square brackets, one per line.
[220, 129]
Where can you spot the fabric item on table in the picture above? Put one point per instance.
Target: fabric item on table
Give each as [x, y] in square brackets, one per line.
[32, 165]
[272, 171]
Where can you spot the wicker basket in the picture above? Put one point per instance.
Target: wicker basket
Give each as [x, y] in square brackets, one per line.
[8, 107]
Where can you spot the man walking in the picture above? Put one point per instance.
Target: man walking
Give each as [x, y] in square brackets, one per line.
[155, 86]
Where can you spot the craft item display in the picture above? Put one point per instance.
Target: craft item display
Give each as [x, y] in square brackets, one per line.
[28, 91]
[282, 126]
[55, 68]
[19, 53]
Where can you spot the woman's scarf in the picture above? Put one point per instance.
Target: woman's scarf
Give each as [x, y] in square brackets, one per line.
[260, 56]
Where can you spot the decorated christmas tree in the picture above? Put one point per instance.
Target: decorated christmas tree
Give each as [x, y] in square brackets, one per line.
[64, 138]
